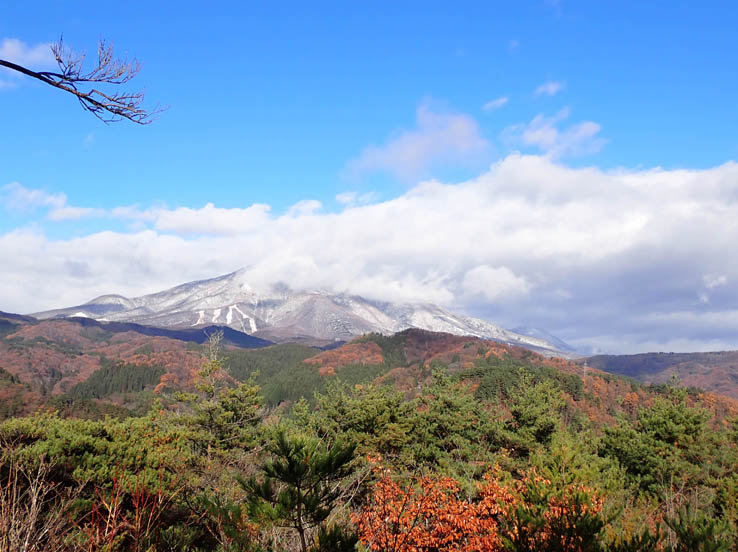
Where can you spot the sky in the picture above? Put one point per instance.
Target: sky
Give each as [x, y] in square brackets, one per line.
[569, 166]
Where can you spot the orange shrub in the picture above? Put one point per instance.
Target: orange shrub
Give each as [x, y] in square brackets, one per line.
[431, 515]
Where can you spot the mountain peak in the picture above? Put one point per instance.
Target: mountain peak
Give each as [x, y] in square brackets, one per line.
[283, 314]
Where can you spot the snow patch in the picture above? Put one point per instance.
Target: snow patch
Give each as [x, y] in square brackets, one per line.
[216, 314]
[252, 322]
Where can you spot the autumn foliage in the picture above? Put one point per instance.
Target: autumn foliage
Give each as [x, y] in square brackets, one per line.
[431, 514]
[428, 516]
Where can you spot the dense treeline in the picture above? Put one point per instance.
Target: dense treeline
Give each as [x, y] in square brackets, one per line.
[499, 377]
[117, 377]
[500, 455]
[392, 347]
[284, 377]
[265, 364]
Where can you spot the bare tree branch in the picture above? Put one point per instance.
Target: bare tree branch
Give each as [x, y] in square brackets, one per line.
[71, 77]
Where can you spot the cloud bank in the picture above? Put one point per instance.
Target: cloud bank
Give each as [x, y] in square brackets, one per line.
[623, 260]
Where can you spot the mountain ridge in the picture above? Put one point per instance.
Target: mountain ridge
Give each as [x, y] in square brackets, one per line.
[282, 314]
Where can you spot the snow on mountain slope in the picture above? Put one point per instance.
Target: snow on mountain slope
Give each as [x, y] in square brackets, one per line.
[284, 314]
[544, 335]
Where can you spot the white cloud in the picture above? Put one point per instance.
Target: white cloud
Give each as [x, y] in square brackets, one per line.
[38, 56]
[18, 197]
[495, 104]
[354, 198]
[440, 138]
[550, 88]
[347, 198]
[493, 283]
[304, 208]
[134, 213]
[210, 219]
[711, 282]
[75, 213]
[35, 57]
[543, 132]
[606, 258]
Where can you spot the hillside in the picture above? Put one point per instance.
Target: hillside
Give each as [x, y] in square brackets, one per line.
[407, 360]
[52, 358]
[122, 364]
[715, 371]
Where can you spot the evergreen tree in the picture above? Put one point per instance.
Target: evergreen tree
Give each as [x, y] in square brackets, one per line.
[450, 427]
[536, 415]
[300, 486]
[224, 415]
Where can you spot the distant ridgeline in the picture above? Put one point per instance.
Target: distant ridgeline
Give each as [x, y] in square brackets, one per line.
[193, 335]
[715, 371]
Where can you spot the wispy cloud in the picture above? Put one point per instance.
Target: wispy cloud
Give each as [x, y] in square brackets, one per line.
[440, 138]
[351, 198]
[75, 213]
[550, 88]
[544, 133]
[495, 104]
[17, 197]
[89, 140]
[711, 282]
[304, 208]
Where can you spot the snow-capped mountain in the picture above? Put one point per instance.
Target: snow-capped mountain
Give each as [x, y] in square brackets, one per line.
[286, 315]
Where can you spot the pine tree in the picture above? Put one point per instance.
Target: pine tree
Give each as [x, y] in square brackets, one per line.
[300, 485]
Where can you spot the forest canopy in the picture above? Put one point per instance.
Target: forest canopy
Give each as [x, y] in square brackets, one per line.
[508, 451]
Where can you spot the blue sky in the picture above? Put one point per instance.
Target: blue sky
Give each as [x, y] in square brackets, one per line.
[321, 109]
